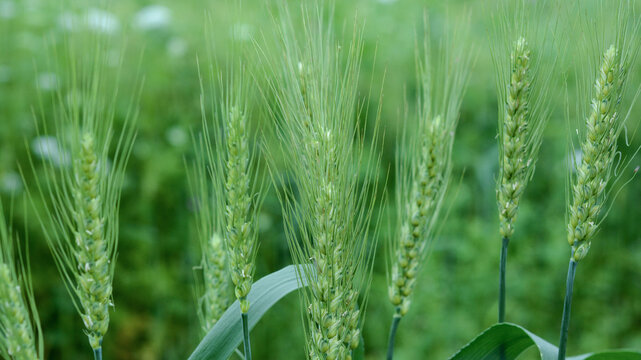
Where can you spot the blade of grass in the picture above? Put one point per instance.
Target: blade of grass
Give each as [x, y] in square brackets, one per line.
[225, 336]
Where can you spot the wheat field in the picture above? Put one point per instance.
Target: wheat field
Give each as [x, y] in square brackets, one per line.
[159, 158]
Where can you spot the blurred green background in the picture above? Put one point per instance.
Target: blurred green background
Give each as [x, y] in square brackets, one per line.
[155, 316]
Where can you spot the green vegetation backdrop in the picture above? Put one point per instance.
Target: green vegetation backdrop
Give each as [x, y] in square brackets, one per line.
[155, 316]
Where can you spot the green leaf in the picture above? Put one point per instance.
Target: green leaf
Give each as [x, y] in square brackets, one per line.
[227, 334]
[610, 355]
[515, 339]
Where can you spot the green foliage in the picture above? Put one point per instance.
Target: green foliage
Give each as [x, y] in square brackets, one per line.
[514, 340]
[221, 341]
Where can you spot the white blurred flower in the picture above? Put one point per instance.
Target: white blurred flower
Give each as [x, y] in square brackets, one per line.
[47, 81]
[177, 47]
[176, 136]
[102, 21]
[7, 9]
[95, 19]
[66, 20]
[153, 17]
[48, 148]
[10, 183]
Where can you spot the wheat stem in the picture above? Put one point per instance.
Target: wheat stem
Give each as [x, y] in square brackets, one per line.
[502, 269]
[565, 322]
[246, 343]
[392, 334]
[97, 353]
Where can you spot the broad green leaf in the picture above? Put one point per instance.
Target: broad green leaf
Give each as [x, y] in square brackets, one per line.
[227, 334]
[610, 355]
[514, 340]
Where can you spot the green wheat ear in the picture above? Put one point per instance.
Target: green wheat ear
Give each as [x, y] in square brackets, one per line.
[232, 165]
[93, 275]
[431, 175]
[213, 285]
[20, 330]
[229, 186]
[213, 282]
[604, 109]
[424, 163]
[328, 214]
[82, 183]
[599, 150]
[424, 159]
[240, 232]
[214, 290]
[516, 163]
[524, 56]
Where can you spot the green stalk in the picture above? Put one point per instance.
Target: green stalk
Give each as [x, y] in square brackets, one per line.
[506, 241]
[97, 353]
[392, 334]
[565, 322]
[502, 268]
[248, 350]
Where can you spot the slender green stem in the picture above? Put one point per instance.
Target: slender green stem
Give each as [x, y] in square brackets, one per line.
[506, 241]
[248, 349]
[502, 268]
[565, 322]
[392, 334]
[97, 353]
